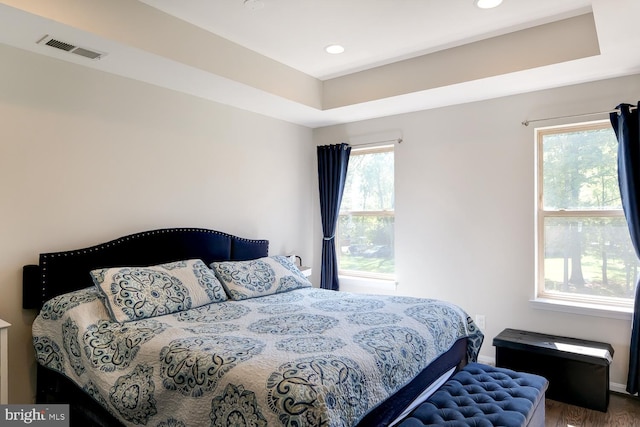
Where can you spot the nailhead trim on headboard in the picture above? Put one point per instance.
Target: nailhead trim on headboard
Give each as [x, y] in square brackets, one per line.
[45, 257]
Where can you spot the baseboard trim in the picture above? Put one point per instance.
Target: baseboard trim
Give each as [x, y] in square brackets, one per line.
[618, 388]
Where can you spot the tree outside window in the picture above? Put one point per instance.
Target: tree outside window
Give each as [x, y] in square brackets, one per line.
[365, 233]
[584, 250]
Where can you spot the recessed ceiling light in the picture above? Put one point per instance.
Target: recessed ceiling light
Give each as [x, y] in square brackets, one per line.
[488, 4]
[253, 4]
[334, 49]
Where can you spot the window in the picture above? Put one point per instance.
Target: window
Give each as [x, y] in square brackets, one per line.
[584, 251]
[366, 223]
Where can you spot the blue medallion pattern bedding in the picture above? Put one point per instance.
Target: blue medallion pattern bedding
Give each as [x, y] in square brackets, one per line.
[134, 293]
[305, 357]
[259, 277]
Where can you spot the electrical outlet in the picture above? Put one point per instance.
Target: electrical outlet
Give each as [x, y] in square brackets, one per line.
[480, 321]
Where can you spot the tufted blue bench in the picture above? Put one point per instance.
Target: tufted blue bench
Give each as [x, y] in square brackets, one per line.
[481, 395]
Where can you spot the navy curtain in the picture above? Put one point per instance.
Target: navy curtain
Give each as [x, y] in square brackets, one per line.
[625, 125]
[333, 161]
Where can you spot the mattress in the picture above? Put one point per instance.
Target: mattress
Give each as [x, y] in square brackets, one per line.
[302, 357]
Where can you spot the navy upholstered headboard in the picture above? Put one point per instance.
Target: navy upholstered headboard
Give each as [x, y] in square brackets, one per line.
[62, 272]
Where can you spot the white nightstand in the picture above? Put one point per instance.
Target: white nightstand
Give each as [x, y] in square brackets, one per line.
[4, 367]
[305, 270]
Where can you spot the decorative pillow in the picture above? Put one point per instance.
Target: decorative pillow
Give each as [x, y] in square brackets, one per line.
[259, 277]
[133, 293]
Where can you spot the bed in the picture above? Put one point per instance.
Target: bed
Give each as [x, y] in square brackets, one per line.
[239, 354]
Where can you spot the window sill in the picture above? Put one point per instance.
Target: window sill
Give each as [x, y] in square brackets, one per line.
[366, 284]
[611, 312]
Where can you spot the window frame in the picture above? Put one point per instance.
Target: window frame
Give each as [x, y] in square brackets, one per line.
[355, 274]
[541, 295]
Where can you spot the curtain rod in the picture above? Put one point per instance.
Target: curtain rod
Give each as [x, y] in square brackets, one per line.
[364, 144]
[615, 110]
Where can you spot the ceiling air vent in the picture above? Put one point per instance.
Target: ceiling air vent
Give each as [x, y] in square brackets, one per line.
[71, 48]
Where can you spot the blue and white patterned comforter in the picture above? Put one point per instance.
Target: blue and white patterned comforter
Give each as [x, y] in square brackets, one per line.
[307, 357]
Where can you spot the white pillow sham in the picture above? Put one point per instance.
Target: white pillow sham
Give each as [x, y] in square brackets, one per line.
[259, 277]
[134, 293]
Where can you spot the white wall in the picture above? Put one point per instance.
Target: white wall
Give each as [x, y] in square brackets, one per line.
[86, 157]
[465, 207]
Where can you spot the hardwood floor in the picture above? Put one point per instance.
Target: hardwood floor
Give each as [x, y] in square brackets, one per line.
[624, 411]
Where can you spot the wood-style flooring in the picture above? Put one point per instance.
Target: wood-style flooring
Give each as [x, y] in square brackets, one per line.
[624, 411]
